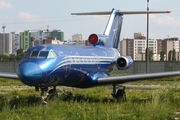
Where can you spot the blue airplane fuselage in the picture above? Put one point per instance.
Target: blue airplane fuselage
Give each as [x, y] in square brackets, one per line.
[76, 66]
[66, 65]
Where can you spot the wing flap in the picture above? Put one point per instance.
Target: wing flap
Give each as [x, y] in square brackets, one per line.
[138, 77]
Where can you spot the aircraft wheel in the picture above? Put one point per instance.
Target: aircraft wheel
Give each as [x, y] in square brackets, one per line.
[121, 95]
[52, 93]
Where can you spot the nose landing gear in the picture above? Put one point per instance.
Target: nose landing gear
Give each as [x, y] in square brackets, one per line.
[47, 95]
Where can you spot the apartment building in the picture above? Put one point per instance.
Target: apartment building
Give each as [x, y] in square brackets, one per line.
[136, 48]
[77, 37]
[169, 44]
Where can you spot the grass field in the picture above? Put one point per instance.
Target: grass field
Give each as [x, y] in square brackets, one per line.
[91, 104]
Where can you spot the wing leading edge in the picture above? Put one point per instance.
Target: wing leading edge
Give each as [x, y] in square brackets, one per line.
[138, 77]
[8, 75]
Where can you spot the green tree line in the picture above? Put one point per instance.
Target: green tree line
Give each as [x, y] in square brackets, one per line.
[20, 54]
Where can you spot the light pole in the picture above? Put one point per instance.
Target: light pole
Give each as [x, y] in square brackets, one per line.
[147, 41]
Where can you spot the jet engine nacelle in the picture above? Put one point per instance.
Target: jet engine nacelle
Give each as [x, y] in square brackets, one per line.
[124, 62]
[97, 38]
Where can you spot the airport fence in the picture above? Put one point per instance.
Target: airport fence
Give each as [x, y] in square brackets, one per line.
[138, 67]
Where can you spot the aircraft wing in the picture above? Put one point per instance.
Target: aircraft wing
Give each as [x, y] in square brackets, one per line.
[137, 77]
[9, 75]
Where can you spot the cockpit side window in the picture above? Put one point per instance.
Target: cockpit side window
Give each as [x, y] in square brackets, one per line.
[52, 54]
[28, 53]
[34, 54]
[43, 54]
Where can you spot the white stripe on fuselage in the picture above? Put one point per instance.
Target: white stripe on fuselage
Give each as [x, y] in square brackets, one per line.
[86, 60]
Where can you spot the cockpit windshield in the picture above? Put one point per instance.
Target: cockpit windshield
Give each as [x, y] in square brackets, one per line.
[41, 54]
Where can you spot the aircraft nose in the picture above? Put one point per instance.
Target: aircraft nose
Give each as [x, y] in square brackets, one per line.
[30, 73]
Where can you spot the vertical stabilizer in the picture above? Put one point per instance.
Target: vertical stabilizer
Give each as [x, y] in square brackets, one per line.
[113, 29]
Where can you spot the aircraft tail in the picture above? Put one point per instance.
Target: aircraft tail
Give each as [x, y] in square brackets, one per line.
[114, 25]
[113, 29]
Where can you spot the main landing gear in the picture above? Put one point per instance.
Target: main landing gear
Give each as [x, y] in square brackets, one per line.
[120, 95]
[47, 95]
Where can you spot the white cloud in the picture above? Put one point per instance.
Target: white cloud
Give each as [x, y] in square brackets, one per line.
[4, 4]
[165, 21]
[27, 17]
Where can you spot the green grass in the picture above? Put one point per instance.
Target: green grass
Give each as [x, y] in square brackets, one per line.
[93, 103]
[89, 104]
[8, 82]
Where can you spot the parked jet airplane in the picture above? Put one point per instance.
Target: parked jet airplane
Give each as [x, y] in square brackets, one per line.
[51, 65]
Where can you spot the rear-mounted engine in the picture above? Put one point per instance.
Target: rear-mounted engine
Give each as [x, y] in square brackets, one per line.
[97, 38]
[124, 62]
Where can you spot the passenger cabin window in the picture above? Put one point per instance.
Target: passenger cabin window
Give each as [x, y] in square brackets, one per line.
[41, 54]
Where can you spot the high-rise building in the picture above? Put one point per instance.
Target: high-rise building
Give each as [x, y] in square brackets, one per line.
[126, 47]
[59, 35]
[170, 44]
[15, 42]
[136, 48]
[25, 39]
[8, 43]
[30, 38]
[6, 47]
[77, 37]
[11, 43]
[139, 49]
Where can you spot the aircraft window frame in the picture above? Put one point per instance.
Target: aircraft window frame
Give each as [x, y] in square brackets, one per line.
[28, 54]
[52, 54]
[44, 55]
[37, 54]
[34, 54]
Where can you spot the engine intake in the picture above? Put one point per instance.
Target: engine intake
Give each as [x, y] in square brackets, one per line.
[124, 62]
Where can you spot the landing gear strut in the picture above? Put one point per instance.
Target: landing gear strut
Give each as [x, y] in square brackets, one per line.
[47, 95]
[120, 94]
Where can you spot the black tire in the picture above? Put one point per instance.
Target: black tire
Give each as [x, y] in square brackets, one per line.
[121, 95]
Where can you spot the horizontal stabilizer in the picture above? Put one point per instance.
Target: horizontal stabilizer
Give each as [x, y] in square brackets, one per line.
[121, 12]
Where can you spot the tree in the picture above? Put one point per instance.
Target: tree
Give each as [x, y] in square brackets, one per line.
[19, 51]
[20, 54]
[170, 55]
[12, 57]
[150, 54]
[4, 57]
[174, 55]
[162, 53]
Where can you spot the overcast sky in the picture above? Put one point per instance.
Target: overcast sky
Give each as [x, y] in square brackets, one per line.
[20, 15]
